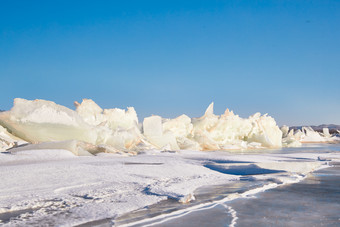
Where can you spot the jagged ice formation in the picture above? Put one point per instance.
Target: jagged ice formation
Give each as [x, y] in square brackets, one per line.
[90, 129]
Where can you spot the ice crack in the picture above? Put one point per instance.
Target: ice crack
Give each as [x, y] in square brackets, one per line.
[233, 214]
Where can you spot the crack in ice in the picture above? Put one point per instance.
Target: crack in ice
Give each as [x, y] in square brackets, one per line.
[233, 214]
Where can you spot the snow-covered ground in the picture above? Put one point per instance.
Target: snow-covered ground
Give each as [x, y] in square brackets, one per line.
[55, 187]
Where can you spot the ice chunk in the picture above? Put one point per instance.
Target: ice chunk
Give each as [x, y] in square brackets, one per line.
[215, 132]
[311, 136]
[285, 131]
[76, 147]
[7, 140]
[288, 138]
[118, 118]
[202, 128]
[181, 127]
[40, 121]
[210, 110]
[265, 131]
[164, 141]
[115, 127]
[205, 142]
[124, 139]
[90, 112]
[187, 198]
[185, 143]
[112, 118]
[298, 134]
[308, 135]
[153, 131]
[326, 132]
[152, 126]
[207, 122]
[290, 141]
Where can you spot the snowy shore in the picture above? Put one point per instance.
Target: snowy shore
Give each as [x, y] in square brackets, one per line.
[55, 187]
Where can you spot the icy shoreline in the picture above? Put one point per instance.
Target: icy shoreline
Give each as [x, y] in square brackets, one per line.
[57, 188]
[64, 167]
[41, 124]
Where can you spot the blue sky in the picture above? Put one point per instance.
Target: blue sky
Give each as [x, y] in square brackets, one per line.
[174, 57]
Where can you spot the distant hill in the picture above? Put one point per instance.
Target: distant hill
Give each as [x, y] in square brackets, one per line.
[332, 127]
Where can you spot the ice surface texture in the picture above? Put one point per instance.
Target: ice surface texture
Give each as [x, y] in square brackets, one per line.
[50, 187]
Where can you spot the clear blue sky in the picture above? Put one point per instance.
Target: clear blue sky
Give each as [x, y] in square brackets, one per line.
[174, 57]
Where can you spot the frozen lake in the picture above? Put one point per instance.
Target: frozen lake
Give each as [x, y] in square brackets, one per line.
[188, 188]
[314, 201]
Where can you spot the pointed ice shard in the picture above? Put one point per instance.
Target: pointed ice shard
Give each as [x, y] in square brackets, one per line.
[209, 110]
[228, 113]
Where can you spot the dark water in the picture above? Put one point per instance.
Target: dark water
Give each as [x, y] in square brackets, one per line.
[314, 201]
